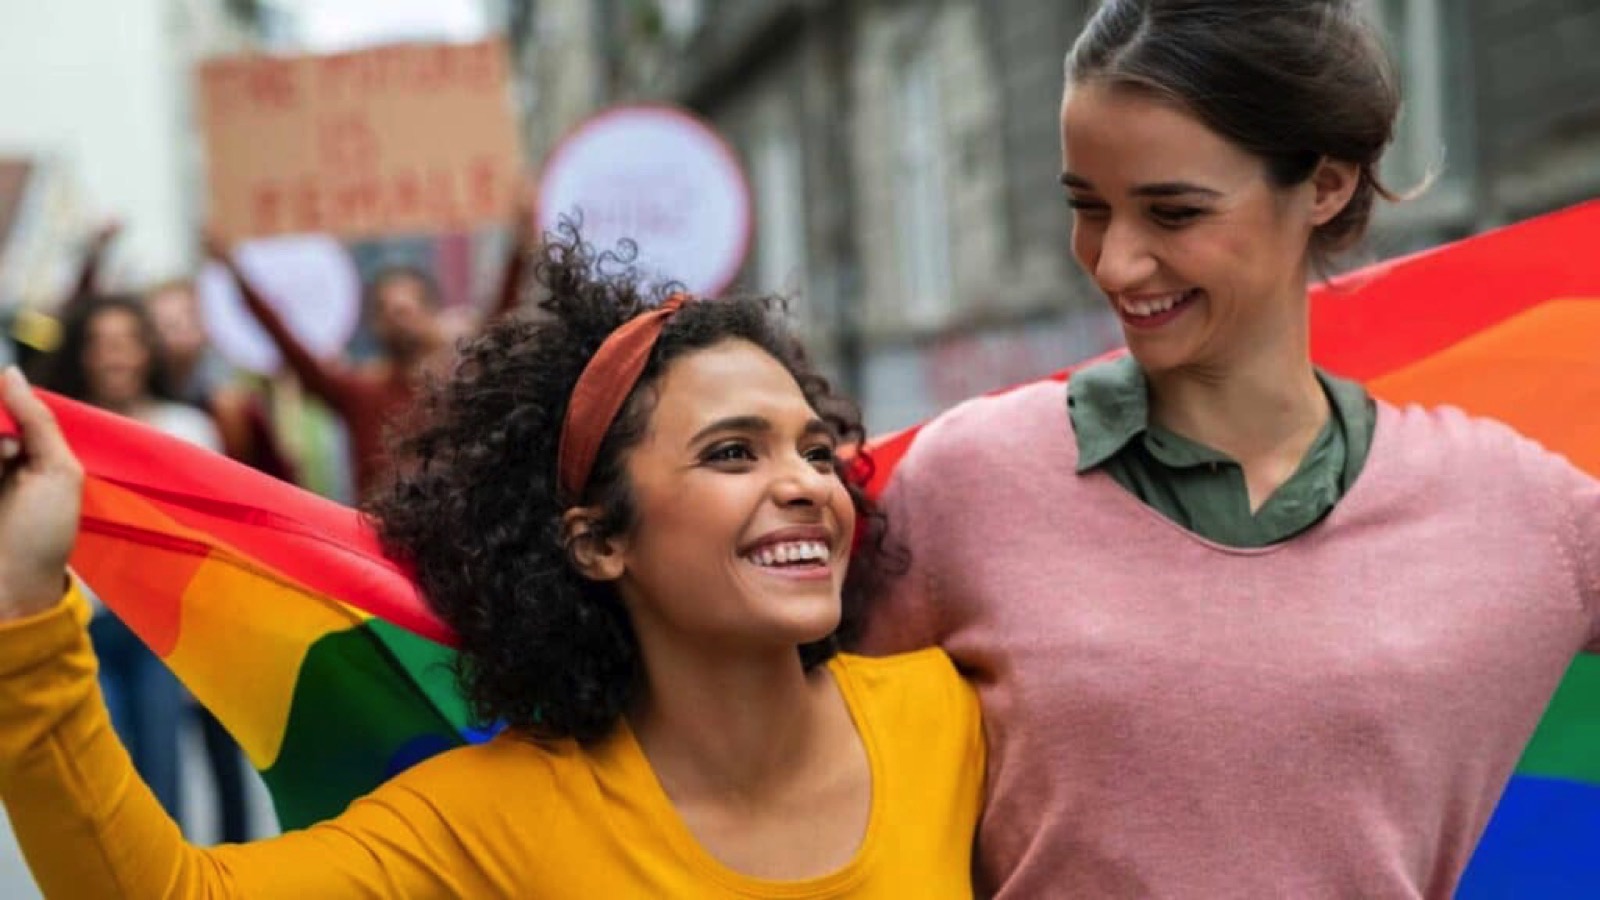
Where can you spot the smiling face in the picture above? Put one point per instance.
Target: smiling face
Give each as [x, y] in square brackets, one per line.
[742, 528]
[116, 359]
[1203, 258]
[175, 312]
[404, 319]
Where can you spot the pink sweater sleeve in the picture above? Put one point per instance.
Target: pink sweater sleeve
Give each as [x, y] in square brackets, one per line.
[902, 618]
[1585, 518]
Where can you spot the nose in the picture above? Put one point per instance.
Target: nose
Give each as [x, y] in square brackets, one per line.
[802, 482]
[1124, 260]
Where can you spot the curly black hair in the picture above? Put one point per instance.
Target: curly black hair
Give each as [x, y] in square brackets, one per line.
[64, 370]
[474, 506]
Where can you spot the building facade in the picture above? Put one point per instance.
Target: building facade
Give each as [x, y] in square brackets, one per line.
[903, 157]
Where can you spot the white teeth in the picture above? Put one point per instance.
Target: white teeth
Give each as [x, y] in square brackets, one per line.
[1157, 306]
[792, 552]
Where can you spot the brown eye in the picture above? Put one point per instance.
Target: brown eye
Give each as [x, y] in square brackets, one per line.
[822, 455]
[1172, 216]
[731, 452]
[1087, 208]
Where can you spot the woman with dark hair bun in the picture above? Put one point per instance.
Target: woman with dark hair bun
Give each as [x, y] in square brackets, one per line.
[1238, 630]
[634, 513]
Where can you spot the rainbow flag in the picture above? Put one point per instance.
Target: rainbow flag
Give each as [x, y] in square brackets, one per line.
[280, 613]
[276, 609]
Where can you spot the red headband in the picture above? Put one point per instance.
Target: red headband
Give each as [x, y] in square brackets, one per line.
[603, 387]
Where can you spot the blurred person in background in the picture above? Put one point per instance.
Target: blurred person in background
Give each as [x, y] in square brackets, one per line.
[187, 369]
[108, 358]
[411, 329]
[197, 374]
[35, 332]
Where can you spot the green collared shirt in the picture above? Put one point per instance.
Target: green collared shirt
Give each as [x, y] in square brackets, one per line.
[1203, 489]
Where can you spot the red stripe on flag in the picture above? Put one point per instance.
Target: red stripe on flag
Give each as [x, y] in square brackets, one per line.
[1392, 315]
[313, 542]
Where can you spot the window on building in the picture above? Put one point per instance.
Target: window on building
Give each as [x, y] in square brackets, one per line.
[921, 214]
[681, 18]
[777, 169]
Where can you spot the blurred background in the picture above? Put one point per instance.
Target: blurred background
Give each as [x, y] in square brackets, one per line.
[901, 159]
[901, 155]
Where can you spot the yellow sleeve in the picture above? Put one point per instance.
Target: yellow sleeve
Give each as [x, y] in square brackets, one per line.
[89, 827]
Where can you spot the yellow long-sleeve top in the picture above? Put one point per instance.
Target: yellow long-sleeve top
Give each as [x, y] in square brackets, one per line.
[505, 819]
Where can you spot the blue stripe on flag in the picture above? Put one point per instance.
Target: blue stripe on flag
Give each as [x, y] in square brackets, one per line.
[1543, 841]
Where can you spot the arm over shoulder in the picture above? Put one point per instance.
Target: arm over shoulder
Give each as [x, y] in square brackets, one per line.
[901, 616]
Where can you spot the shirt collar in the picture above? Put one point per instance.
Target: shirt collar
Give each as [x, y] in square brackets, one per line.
[1109, 405]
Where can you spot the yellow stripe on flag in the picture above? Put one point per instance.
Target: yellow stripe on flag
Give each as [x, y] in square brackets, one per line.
[251, 671]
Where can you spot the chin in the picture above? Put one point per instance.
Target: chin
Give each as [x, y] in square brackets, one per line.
[807, 626]
[1155, 359]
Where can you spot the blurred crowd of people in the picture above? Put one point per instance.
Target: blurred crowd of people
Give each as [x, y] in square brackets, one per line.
[147, 355]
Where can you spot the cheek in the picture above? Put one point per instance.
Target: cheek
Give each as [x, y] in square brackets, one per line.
[1213, 255]
[692, 524]
[844, 510]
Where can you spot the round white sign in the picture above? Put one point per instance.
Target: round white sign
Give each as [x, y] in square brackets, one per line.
[309, 279]
[658, 177]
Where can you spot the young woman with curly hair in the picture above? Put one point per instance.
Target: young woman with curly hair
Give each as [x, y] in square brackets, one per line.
[636, 518]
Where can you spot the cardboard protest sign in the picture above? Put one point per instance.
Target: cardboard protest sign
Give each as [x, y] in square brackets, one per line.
[393, 140]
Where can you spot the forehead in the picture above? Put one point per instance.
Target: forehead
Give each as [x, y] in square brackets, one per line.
[401, 287]
[114, 321]
[733, 378]
[172, 299]
[1119, 135]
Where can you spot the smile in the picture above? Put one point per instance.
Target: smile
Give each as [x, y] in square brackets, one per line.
[1153, 310]
[790, 555]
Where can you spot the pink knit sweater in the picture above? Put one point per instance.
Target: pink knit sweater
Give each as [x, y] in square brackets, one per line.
[1335, 716]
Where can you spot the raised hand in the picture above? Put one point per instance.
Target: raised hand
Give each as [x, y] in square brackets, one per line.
[41, 495]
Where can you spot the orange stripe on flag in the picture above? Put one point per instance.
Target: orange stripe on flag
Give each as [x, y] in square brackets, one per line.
[144, 592]
[1538, 372]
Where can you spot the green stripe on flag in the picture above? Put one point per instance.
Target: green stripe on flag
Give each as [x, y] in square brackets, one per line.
[1567, 741]
[430, 666]
[364, 700]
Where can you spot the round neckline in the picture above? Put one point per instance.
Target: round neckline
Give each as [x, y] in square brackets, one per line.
[1385, 416]
[705, 864]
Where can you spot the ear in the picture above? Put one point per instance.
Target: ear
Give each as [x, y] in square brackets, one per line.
[1332, 185]
[596, 559]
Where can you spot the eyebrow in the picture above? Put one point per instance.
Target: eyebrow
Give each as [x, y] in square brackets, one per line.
[756, 425]
[1158, 189]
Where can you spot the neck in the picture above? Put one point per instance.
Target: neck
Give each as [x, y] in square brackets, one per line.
[131, 408]
[411, 360]
[180, 370]
[1253, 408]
[730, 727]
